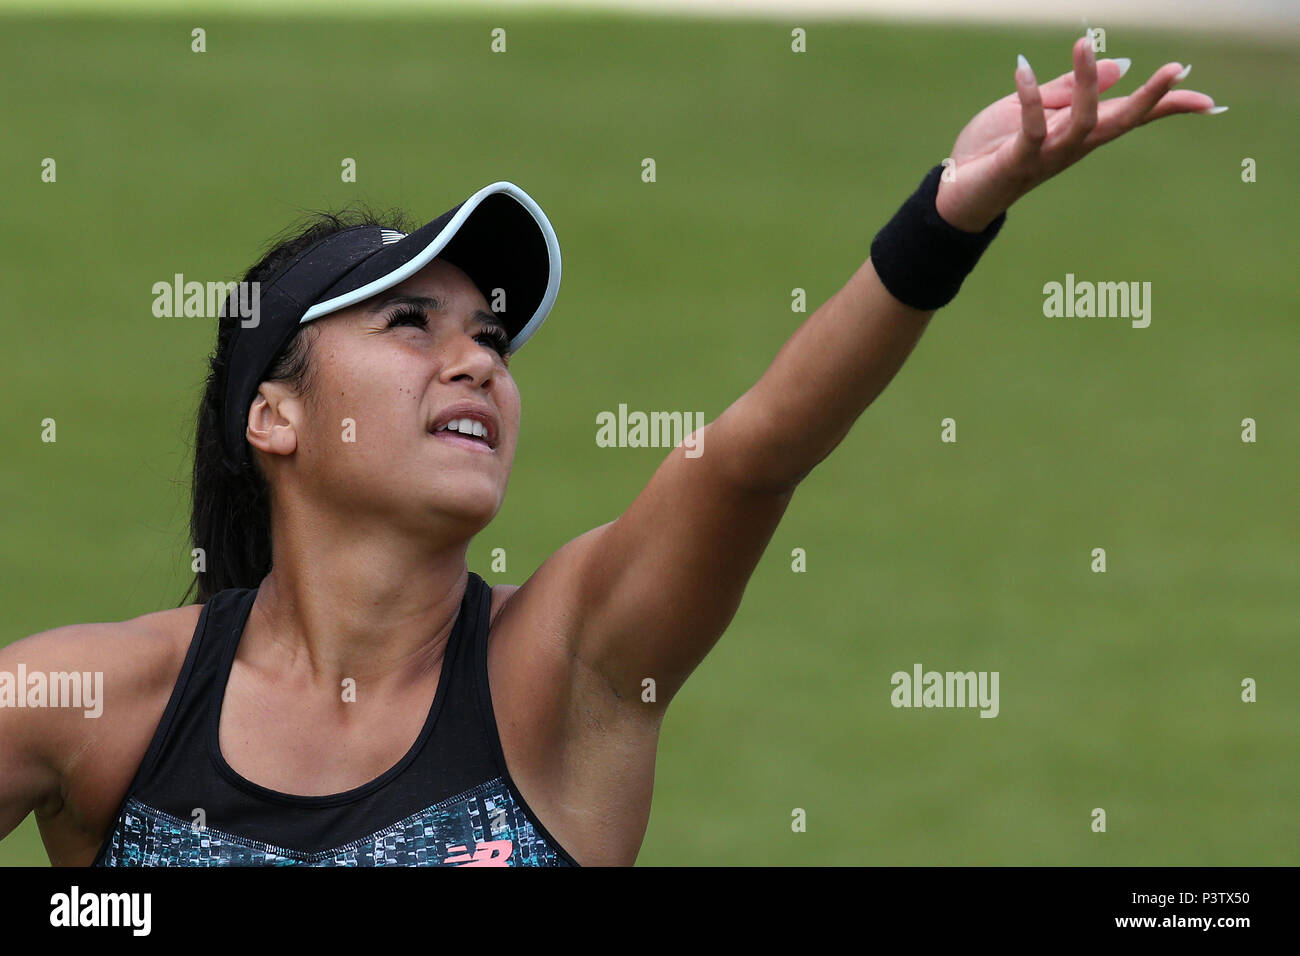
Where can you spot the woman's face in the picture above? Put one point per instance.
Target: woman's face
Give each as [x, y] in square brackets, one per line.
[385, 374]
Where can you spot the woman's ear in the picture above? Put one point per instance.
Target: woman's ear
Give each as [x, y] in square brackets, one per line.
[273, 419]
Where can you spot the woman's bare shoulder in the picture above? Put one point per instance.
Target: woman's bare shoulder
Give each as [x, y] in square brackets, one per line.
[121, 672]
[136, 651]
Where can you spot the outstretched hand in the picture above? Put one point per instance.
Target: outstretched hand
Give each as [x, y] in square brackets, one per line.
[1029, 136]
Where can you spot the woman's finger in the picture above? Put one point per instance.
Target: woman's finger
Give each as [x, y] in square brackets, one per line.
[1143, 100]
[1181, 101]
[1033, 122]
[1083, 99]
[1114, 116]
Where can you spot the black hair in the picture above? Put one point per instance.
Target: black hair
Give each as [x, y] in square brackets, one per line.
[230, 520]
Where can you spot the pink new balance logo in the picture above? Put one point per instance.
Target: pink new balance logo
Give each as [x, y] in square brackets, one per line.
[492, 853]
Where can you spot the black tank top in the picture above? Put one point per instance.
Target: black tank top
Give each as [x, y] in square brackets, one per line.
[449, 801]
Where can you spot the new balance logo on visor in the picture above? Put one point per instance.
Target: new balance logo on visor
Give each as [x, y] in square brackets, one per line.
[390, 236]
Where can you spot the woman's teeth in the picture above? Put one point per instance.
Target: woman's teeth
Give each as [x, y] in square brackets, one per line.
[466, 426]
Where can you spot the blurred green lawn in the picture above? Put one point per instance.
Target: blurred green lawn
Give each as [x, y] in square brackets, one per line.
[1118, 691]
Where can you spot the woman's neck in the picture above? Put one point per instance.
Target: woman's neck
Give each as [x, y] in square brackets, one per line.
[362, 603]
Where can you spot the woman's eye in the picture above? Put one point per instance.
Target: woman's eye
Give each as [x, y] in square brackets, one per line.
[497, 339]
[408, 317]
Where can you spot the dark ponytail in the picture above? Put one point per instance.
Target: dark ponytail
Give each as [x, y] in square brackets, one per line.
[231, 516]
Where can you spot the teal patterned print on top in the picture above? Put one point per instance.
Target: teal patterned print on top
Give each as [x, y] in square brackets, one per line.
[484, 826]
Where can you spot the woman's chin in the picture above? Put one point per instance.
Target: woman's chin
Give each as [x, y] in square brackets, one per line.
[467, 513]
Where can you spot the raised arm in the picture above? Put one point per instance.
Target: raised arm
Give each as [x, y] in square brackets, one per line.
[647, 595]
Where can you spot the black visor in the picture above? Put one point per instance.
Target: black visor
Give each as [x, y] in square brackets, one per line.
[499, 237]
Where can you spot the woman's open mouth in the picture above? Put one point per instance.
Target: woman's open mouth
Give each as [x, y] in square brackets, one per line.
[464, 432]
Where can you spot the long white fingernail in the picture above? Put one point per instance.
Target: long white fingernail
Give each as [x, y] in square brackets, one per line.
[1124, 63]
[1214, 110]
[1183, 74]
[1023, 64]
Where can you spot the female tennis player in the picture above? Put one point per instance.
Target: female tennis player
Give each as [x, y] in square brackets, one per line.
[345, 691]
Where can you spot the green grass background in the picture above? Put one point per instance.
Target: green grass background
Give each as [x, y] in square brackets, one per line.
[1118, 691]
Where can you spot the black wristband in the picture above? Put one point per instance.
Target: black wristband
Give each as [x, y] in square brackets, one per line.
[920, 257]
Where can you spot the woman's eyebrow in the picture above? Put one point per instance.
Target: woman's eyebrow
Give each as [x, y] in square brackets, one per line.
[436, 304]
